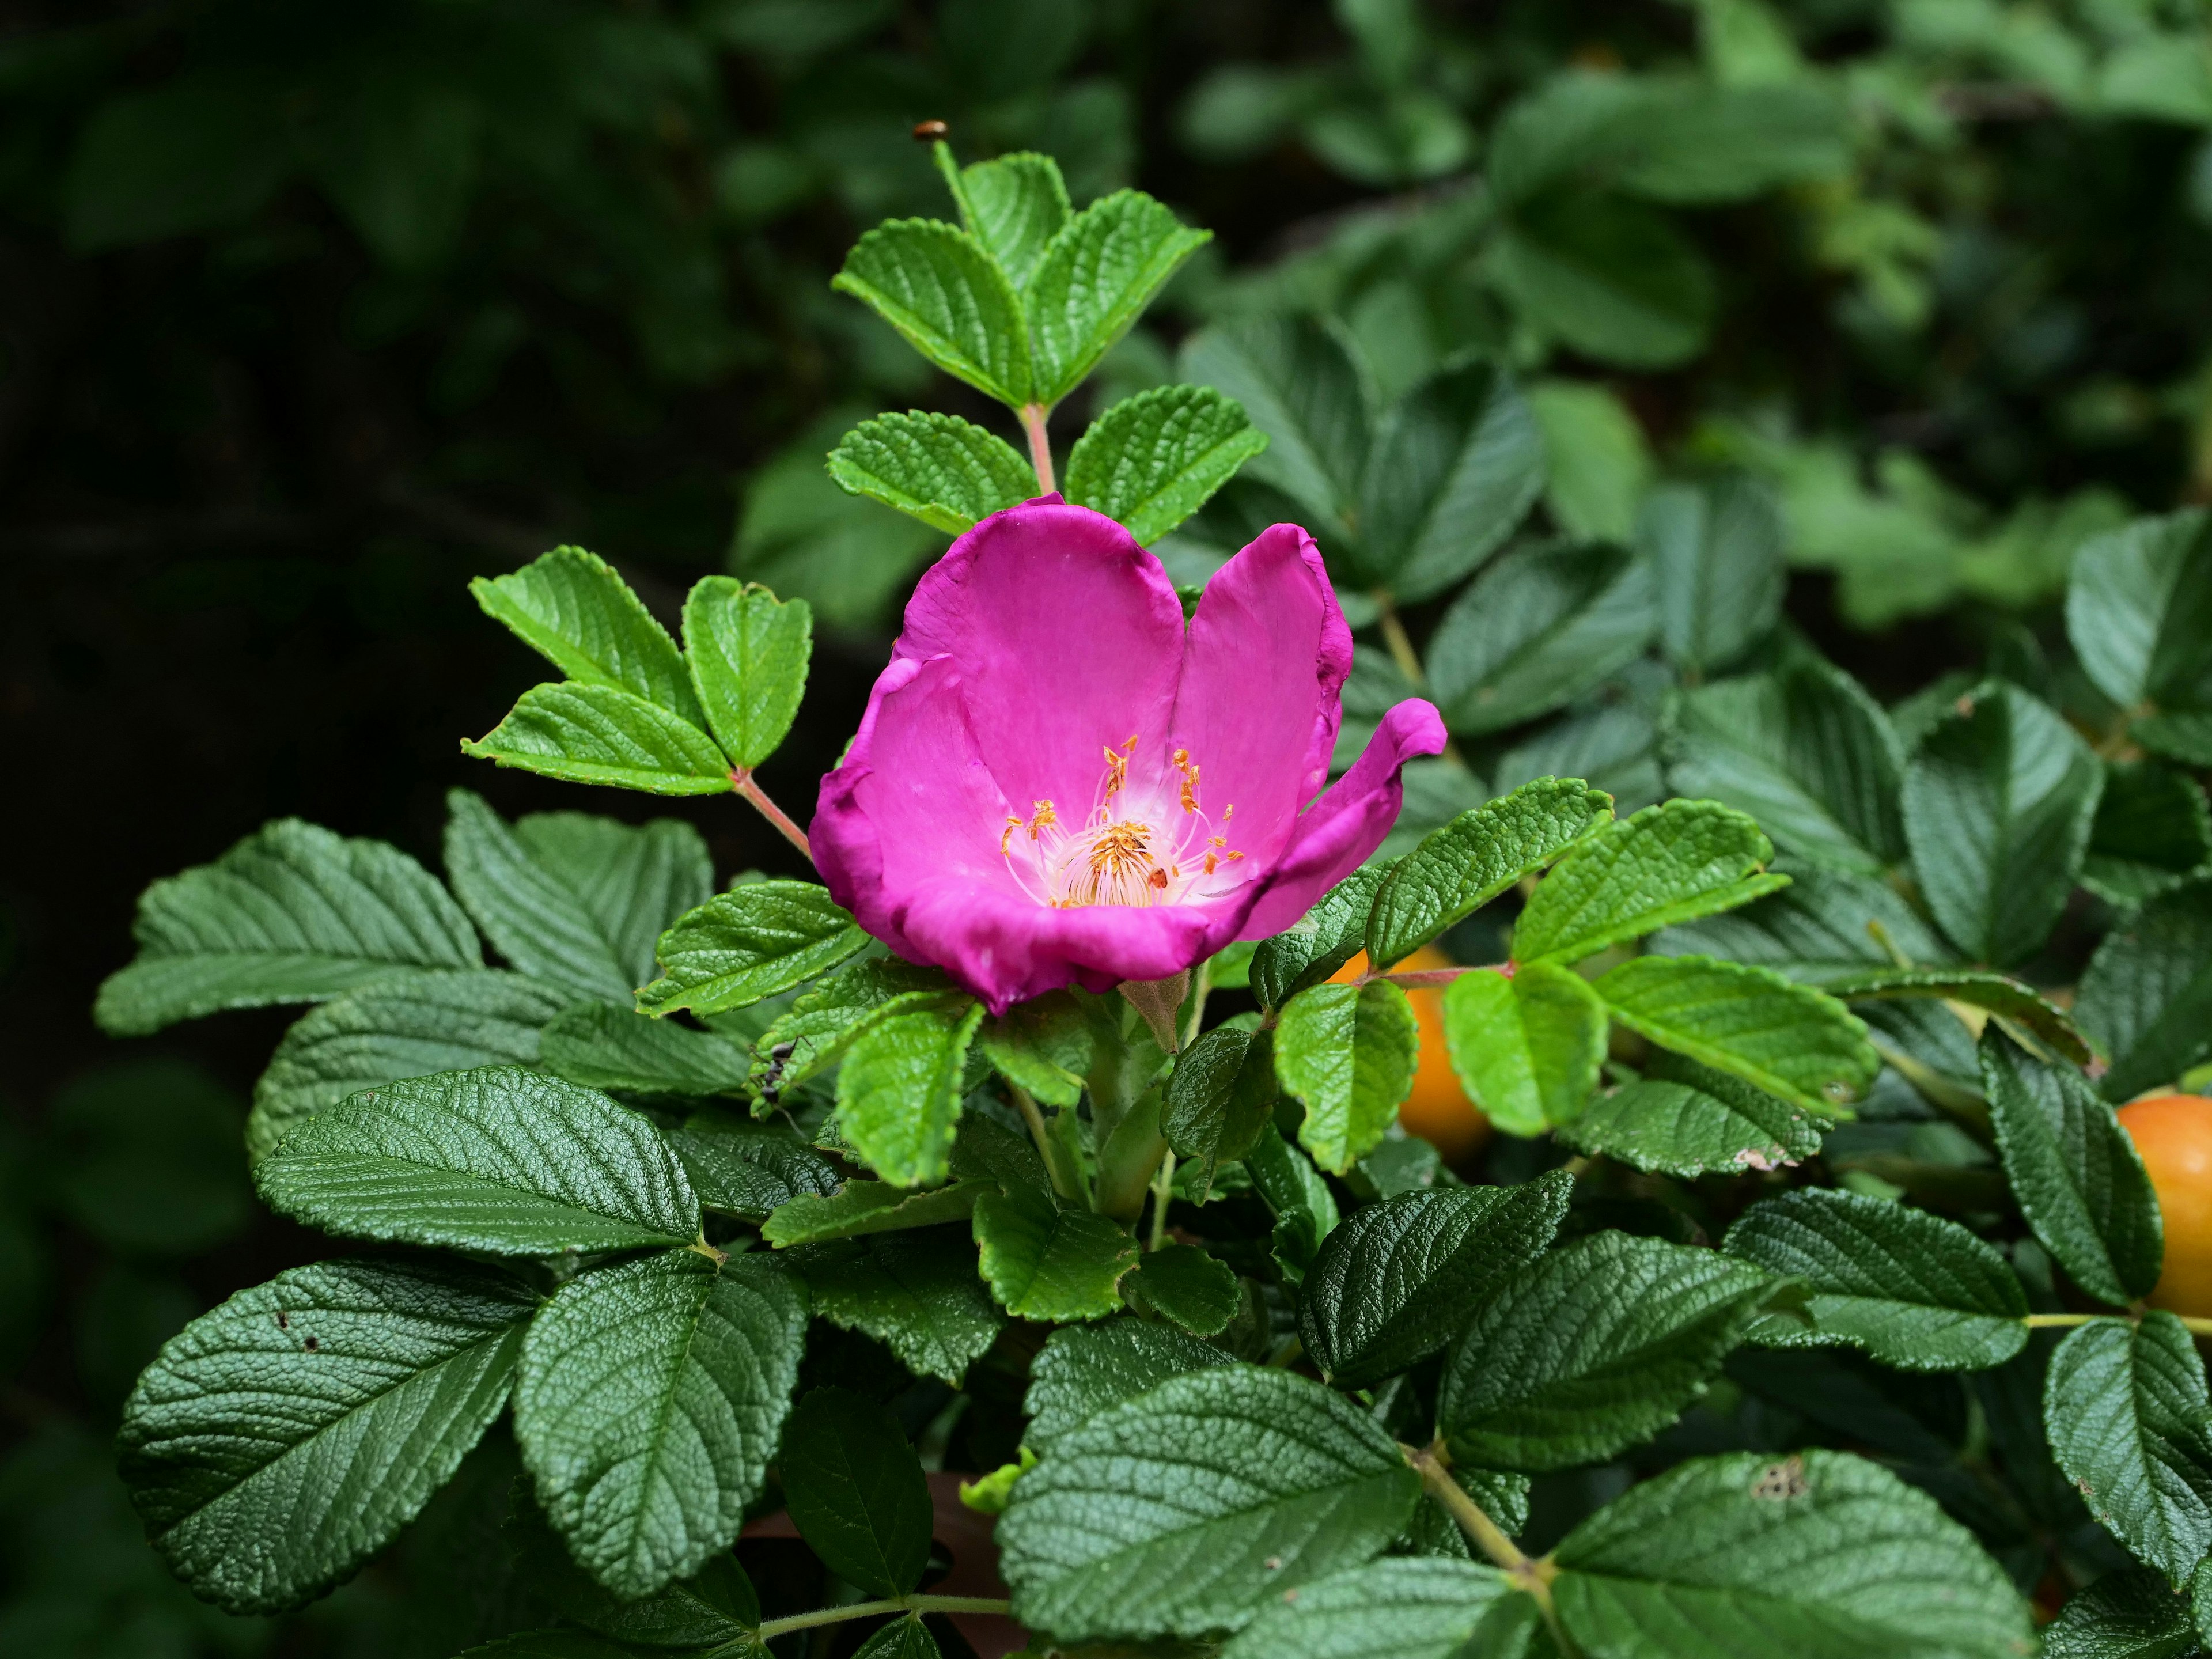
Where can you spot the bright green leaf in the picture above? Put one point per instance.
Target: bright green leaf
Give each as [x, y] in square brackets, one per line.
[1347, 1052]
[1184, 1284]
[826, 1021]
[750, 943]
[1043, 1045]
[1152, 460]
[748, 653]
[1599, 460]
[1319, 942]
[1014, 205]
[939, 289]
[1093, 280]
[1526, 1047]
[572, 608]
[948, 472]
[1688, 1119]
[1221, 1098]
[584, 734]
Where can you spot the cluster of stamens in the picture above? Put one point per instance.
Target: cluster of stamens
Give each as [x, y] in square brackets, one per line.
[1116, 856]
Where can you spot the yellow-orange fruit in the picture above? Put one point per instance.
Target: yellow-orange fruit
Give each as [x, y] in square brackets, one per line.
[2173, 1133]
[1439, 1109]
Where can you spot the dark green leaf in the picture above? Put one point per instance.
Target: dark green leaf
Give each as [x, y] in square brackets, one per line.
[1526, 1047]
[2131, 1423]
[1611, 278]
[143, 1155]
[1592, 1349]
[1045, 1261]
[652, 1395]
[1460, 868]
[615, 1047]
[717, 1606]
[916, 1291]
[1538, 629]
[1818, 928]
[281, 1440]
[1396, 1609]
[292, 913]
[1152, 460]
[1997, 807]
[1396, 1282]
[1182, 1283]
[1688, 1119]
[899, 1090]
[750, 943]
[1301, 381]
[2147, 994]
[856, 1491]
[906, 1637]
[748, 1168]
[1716, 554]
[1043, 1045]
[937, 288]
[1909, 1288]
[1221, 1098]
[1321, 941]
[1999, 994]
[1348, 1053]
[1093, 280]
[948, 472]
[2124, 1615]
[572, 608]
[1085, 1369]
[498, 1159]
[585, 733]
[2152, 833]
[2078, 1178]
[2139, 610]
[748, 653]
[1187, 1508]
[860, 1207]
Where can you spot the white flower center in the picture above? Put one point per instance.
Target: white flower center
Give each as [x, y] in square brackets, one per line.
[1164, 850]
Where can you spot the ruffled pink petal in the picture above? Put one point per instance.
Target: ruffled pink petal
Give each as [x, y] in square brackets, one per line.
[1339, 832]
[1068, 637]
[1258, 703]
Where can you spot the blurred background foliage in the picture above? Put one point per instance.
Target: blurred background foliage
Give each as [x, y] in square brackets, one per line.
[308, 314]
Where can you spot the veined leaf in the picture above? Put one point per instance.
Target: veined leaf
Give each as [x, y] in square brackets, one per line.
[2139, 610]
[937, 288]
[1525, 1047]
[1394, 1609]
[2124, 1615]
[1688, 1119]
[747, 944]
[826, 1021]
[571, 608]
[1187, 1508]
[1818, 928]
[1184, 1284]
[501, 1160]
[1047, 1261]
[2000, 994]
[1458, 869]
[856, 1491]
[899, 1090]
[1319, 942]
[1592, 1349]
[916, 1291]
[860, 1207]
[1014, 205]
[612, 1046]
[749, 1169]
[1665, 865]
[1396, 1282]
[1778, 1035]
[2152, 833]
[948, 472]
[748, 653]
[2146, 993]
[1152, 460]
[651, 1398]
[1085, 1369]
[717, 1606]
[1093, 280]
[1538, 629]
[1911, 1289]
[277, 1443]
[1221, 1098]
[405, 1024]
[1304, 1209]
[1347, 1052]
[292, 913]
[1716, 554]
[1301, 381]
[585, 733]
[1044, 1045]
[1612, 278]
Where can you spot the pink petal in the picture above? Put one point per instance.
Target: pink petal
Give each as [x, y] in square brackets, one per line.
[1262, 675]
[1339, 832]
[1068, 637]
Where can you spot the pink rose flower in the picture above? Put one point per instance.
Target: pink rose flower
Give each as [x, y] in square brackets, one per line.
[1057, 783]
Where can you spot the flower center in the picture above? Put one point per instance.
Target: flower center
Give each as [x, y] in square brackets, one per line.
[1160, 851]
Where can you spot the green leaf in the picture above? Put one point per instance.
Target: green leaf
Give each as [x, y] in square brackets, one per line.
[2139, 610]
[899, 1090]
[1540, 627]
[1045, 1261]
[1304, 1209]
[719, 1606]
[615, 1047]
[948, 472]
[1716, 553]
[1094, 279]
[2124, 1615]
[750, 943]
[1457, 463]
[572, 899]
[1594, 1348]
[1665, 865]
[1804, 750]
[1689, 1119]
[1187, 1508]
[1458, 869]
[1778, 1035]
[2152, 833]
[1152, 460]
[651, 1398]
[1525, 1047]
[1014, 205]
[1319, 942]
[292, 913]
[1182, 1283]
[1221, 1097]
[939, 289]
[1085, 1369]
[748, 653]
[1599, 461]
[1347, 1052]
[856, 1491]
[596, 734]
[2146, 993]
[1396, 1609]
[500, 1159]
[2130, 1424]
[1043, 1045]
[916, 1291]
[1397, 1281]
[1301, 381]
[826, 1021]
[1610, 278]
[1817, 929]
[860, 1207]
[405, 1024]
[571, 608]
[280, 1441]
[749, 1169]
[1819, 1555]
[1911, 1289]
[556, 1643]
[2000, 994]
[905, 1637]
[1998, 803]
[2079, 1179]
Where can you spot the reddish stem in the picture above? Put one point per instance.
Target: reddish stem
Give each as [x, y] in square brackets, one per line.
[1417, 976]
[743, 783]
[1040, 446]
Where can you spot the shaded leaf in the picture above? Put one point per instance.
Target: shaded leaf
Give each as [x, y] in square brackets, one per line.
[2139, 610]
[856, 1491]
[1085, 1369]
[860, 1207]
[1321, 942]
[1046, 1261]
[1540, 627]
[1716, 554]
[1688, 1119]
[1301, 381]
[747, 1168]
[916, 1291]
[605, 1046]
[2146, 993]
[1394, 1609]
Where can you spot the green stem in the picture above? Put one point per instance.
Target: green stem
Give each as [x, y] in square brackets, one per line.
[1040, 446]
[1407, 659]
[1531, 1573]
[770, 1629]
[742, 781]
[1162, 1195]
[1969, 1106]
[2060, 1321]
[1064, 1180]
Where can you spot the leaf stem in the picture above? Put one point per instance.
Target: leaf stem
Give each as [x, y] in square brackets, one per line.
[1054, 1154]
[2195, 1325]
[742, 781]
[772, 1628]
[1399, 641]
[1531, 1573]
[1040, 446]
[1968, 1105]
[1413, 976]
[1162, 1195]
